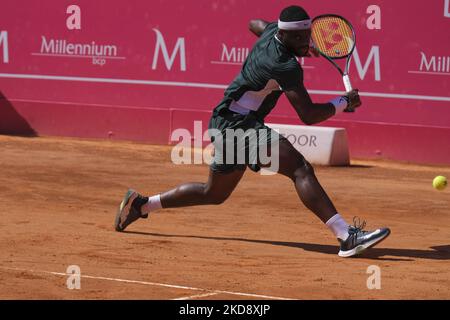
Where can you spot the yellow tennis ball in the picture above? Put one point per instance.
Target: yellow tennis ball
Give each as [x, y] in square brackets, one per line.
[440, 182]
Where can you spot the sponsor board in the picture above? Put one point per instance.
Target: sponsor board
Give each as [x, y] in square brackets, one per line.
[319, 145]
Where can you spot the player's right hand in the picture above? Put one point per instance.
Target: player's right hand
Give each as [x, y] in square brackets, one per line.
[354, 100]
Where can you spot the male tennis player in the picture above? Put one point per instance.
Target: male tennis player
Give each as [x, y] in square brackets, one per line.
[270, 70]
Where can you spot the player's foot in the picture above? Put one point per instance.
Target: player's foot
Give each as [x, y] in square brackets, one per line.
[360, 240]
[129, 210]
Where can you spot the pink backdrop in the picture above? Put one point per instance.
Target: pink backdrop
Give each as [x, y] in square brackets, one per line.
[52, 85]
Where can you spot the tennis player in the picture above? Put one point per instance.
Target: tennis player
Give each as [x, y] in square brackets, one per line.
[270, 70]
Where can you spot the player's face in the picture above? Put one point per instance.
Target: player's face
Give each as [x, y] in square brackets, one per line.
[297, 41]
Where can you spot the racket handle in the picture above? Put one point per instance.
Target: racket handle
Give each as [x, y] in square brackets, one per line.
[347, 84]
[348, 88]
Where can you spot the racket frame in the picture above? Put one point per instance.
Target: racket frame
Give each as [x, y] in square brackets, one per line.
[344, 74]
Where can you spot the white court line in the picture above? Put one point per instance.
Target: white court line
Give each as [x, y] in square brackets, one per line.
[385, 95]
[109, 80]
[73, 56]
[431, 72]
[197, 296]
[241, 63]
[208, 86]
[151, 284]
[228, 63]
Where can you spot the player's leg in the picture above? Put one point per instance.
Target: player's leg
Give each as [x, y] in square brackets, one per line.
[223, 178]
[353, 239]
[216, 190]
[283, 158]
[293, 165]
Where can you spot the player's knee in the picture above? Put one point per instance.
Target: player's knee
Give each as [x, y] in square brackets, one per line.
[217, 198]
[303, 169]
[214, 197]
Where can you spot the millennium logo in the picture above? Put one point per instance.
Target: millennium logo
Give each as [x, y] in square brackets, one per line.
[435, 64]
[232, 55]
[99, 53]
[4, 44]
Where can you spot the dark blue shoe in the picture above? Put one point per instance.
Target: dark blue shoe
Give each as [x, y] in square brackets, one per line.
[360, 240]
[128, 212]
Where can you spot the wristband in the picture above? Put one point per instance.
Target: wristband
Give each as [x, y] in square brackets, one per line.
[340, 104]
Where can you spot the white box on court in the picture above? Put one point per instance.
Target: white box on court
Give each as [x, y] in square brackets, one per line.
[319, 145]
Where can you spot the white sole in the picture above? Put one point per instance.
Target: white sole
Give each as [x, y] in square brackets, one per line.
[357, 250]
[125, 205]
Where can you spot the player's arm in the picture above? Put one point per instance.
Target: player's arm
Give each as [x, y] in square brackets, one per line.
[257, 26]
[311, 113]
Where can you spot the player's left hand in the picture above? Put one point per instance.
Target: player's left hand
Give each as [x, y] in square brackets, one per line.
[354, 101]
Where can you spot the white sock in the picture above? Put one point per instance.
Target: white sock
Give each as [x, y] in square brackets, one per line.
[338, 226]
[154, 203]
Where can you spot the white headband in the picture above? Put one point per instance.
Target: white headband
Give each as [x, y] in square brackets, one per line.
[294, 25]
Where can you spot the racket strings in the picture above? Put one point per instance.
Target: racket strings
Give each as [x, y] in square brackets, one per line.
[333, 36]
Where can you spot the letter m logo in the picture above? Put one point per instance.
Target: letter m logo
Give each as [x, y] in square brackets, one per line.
[4, 44]
[373, 58]
[161, 46]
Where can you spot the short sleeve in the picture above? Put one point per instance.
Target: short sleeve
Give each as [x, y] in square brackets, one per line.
[289, 75]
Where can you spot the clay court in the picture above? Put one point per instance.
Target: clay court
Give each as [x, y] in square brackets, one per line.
[59, 197]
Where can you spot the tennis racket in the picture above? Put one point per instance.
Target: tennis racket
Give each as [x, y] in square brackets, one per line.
[333, 37]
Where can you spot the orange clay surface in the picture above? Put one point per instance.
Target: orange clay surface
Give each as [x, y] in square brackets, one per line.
[59, 196]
